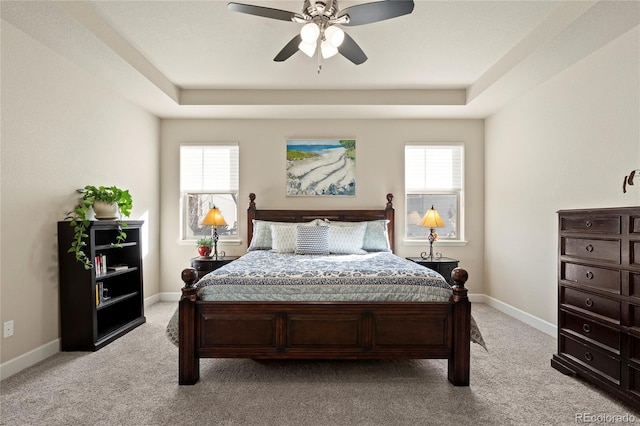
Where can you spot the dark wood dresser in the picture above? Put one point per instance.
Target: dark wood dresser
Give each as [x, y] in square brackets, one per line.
[599, 299]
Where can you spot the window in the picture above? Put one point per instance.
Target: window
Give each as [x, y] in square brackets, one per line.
[208, 177]
[434, 176]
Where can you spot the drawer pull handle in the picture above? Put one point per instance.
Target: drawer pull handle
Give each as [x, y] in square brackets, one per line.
[586, 328]
[588, 224]
[588, 356]
[588, 302]
[590, 275]
[589, 248]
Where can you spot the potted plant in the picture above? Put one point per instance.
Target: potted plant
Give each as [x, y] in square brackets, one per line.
[118, 200]
[204, 246]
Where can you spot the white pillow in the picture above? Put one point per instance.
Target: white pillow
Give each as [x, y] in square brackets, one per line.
[345, 239]
[312, 239]
[283, 238]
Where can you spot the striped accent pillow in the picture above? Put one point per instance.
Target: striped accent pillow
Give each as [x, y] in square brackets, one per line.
[312, 239]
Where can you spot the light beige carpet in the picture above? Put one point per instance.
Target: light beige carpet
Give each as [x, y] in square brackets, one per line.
[133, 381]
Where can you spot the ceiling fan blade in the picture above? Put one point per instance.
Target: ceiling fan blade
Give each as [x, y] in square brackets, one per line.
[377, 11]
[265, 12]
[350, 50]
[289, 49]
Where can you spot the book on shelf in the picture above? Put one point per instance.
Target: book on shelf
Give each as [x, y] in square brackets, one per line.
[100, 263]
[99, 293]
[118, 267]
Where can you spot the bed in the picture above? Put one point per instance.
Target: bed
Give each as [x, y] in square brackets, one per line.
[434, 323]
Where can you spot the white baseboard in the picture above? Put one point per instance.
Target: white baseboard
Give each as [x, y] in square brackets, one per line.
[535, 322]
[170, 297]
[148, 301]
[33, 357]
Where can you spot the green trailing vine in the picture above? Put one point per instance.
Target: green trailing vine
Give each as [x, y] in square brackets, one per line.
[80, 222]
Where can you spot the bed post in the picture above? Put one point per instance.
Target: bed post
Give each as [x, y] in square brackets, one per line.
[251, 215]
[460, 357]
[189, 363]
[389, 215]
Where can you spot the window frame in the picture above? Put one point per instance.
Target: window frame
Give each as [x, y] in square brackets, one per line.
[185, 234]
[459, 193]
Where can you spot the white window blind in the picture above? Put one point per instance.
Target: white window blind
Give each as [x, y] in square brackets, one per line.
[212, 168]
[433, 168]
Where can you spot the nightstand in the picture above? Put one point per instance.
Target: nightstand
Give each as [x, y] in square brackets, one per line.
[443, 266]
[204, 265]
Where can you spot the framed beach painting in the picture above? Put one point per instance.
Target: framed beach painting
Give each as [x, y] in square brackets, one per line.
[321, 167]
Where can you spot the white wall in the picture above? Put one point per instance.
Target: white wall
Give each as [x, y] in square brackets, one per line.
[379, 169]
[61, 130]
[567, 144]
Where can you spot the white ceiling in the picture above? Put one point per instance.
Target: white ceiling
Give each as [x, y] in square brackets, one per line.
[199, 59]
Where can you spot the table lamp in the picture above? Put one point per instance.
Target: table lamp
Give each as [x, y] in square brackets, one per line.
[431, 220]
[214, 218]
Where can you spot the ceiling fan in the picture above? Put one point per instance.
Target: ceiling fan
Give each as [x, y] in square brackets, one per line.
[320, 19]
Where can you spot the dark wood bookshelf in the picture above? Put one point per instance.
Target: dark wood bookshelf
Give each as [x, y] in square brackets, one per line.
[88, 322]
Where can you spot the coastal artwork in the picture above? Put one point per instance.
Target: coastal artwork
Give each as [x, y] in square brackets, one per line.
[321, 167]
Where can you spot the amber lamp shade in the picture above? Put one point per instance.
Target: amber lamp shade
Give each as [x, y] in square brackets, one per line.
[214, 219]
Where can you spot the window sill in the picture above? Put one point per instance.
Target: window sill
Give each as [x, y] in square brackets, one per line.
[221, 242]
[442, 243]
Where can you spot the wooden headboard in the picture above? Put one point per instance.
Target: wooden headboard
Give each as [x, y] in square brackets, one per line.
[308, 215]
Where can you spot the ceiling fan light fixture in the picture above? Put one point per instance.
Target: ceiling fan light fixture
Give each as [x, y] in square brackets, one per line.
[334, 35]
[310, 33]
[308, 48]
[319, 33]
[327, 49]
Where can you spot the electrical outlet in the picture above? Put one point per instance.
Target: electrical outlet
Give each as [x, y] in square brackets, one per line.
[7, 330]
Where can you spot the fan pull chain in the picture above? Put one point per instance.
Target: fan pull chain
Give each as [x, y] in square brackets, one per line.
[319, 60]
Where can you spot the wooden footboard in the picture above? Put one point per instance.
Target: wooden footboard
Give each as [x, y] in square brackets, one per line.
[325, 330]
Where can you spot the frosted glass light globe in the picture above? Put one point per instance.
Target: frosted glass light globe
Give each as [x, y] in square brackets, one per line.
[310, 32]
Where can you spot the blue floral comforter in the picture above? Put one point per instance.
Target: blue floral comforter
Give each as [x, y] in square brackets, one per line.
[265, 276]
[262, 275]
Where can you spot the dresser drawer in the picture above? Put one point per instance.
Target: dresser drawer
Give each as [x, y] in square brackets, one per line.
[631, 316]
[594, 359]
[634, 226]
[605, 336]
[604, 279]
[633, 352]
[591, 303]
[634, 253]
[633, 382]
[634, 285]
[604, 250]
[587, 224]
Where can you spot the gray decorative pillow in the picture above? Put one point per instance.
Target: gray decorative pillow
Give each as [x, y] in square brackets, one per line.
[261, 239]
[312, 239]
[377, 237]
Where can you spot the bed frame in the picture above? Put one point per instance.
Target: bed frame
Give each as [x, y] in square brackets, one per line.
[324, 330]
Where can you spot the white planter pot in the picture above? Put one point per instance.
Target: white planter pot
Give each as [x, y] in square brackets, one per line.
[105, 211]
